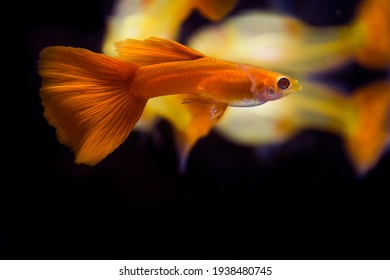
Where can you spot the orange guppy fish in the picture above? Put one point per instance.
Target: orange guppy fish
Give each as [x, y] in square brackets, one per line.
[94, 100]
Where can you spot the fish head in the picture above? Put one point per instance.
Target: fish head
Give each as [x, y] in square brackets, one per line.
[280, 86]
[268, 85]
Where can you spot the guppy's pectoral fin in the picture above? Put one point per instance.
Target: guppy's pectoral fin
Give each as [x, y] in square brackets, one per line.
[217, 109]
[203, 115]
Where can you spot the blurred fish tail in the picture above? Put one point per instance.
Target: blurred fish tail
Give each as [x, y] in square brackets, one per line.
[373, 25]
[216, 9]
[87, 97]
[369, 137]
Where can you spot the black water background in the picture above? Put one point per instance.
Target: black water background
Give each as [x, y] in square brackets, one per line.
[300, 201]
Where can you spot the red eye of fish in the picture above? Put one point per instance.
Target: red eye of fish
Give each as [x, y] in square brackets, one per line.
[283, 83]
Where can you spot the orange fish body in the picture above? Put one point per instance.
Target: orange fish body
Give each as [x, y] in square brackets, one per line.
[225, 82]
[94, 101]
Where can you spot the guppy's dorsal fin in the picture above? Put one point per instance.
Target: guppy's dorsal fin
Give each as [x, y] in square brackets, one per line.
[154, 50]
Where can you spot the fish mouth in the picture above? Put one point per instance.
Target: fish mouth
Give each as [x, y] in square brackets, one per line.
[298, 87]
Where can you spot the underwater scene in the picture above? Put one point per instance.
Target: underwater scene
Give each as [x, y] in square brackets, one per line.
[160, 129]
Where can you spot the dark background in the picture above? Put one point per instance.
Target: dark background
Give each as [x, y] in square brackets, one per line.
[300, 200]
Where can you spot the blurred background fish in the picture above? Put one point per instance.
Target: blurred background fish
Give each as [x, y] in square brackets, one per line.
[362, 119]
[285, 43]
[141, 19]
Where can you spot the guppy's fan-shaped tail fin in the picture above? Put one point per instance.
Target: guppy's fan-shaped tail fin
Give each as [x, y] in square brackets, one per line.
[88, 99]
[370, 136]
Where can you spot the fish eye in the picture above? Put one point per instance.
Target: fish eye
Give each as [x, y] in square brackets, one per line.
[283, 83]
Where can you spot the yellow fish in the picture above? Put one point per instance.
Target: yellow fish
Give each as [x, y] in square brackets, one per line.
[288, 44]
[141, 19]
[94, 100]
[362, 119]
